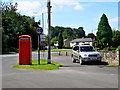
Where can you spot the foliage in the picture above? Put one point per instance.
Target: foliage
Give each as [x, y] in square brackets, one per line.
[112, 65]
[56, 30]
[116, 38]
[67, 32]
[90, 35]
[15, 25]
[97, 48]
[99, 45]
[66, 46]
[60, 41]
[46, 40]
[107, 48]
[113, 48]
[53, 40]
[81, 32]
[104, 33]
[118, 48]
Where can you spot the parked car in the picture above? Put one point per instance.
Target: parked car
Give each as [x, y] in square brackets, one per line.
[85, 53]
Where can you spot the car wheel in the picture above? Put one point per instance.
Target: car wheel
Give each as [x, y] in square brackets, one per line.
[99, 62]
[80, 60]
[73, 60]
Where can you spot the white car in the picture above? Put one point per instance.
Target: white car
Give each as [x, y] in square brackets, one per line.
[85, 53]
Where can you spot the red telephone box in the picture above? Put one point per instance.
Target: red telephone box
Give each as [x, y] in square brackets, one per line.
[25, 50]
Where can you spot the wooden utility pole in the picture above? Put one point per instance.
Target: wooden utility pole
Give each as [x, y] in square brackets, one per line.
[49, 32]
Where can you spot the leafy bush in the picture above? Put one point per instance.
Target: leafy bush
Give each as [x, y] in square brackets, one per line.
[99, 45]
[12, 49]
[67, 47]
[33, 49]
[113, 48]
[118, 48]
[97, 48]
[107, 48]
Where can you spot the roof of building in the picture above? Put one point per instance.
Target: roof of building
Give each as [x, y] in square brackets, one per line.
[82, 40]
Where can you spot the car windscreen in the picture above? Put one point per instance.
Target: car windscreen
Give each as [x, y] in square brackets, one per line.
[87, 48]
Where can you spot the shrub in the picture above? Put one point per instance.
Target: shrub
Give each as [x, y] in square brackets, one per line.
[107, 48]
[97, 48]
[118, 48]
[113, 48]
[12, 49]
[67, 47]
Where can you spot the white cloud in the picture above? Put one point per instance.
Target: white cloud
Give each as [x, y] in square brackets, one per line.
[99, 0]
[73, 26]
[35, 8]
[116, 19]
[118, 28]
[78, 7]
[63, 3]
[29, 7]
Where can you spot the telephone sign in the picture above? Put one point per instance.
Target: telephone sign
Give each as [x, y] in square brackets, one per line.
[39, 30]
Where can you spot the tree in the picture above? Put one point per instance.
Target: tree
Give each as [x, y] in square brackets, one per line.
[46, 40]
[68, 33]
[80, 32]
[91, 35]
[53, 40]
[15, 25]
[56, 30]
[116, 38]
[60, 41]
[104, 33]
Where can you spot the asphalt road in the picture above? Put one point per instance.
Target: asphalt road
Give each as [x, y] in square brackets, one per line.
[71, 75]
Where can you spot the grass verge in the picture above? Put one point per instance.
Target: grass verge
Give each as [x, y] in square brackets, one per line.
[43, 65]
[112, 65]
[56, 50]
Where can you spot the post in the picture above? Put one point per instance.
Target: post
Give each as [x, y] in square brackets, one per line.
[66, 53]
[39, 49]
[43, 30]
[59, 53]
[49, 32]
[119, 56]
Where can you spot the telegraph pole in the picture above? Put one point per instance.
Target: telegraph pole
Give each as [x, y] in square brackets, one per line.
[49, 32]
[43, 30]
[39, 49]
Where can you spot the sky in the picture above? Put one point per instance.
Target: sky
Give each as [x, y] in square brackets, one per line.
[71, 13]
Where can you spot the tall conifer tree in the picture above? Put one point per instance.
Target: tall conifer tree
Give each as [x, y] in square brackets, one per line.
[104, 33]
